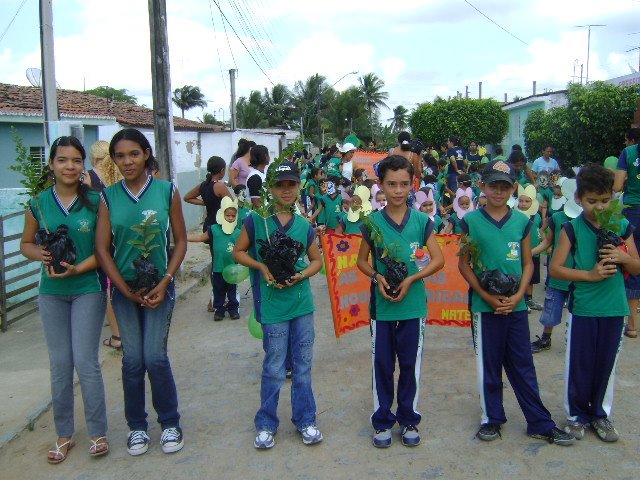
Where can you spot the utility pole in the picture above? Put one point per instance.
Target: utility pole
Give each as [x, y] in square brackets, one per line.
[480, 90]
[161, 87]
[49, 95]
[589, 44]
[466, 91]
[232, 80]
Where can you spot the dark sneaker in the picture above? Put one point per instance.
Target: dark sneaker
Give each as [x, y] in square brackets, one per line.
[171, 440]
[605, 430]
[542, 343]
[489, 432]
[382, 439]
[137, 442]
[264, 440]
[410, 436]
[288, 373]
[218, 316]
[311, 435]
[576, 429]
[234, 316]
[557, 436]
[533, 305]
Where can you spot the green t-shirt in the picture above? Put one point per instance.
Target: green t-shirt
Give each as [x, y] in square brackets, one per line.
[437, 224]
[82, 231]
[222, 246]
[351, 228]
[273, 305]
[402, 240]
[332, 208]
[536, 236]
[606, 298]
[456, 223]
[127, 209]
[500, 246]
[556, 222]
[332, 167]
[243, 212]
[632, 186]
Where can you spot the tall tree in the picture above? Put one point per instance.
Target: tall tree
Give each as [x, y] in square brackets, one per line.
[374, 97]
[188, 97]
[115, 94]
[399, 119]
[250, 111]
[278, 105]
[310, 99]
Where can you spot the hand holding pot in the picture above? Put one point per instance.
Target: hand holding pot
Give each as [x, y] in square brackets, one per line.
[69, 271]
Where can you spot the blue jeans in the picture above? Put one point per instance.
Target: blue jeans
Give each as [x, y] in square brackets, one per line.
[72, 326]
[553, 306]
[144, 333]
[275, 344]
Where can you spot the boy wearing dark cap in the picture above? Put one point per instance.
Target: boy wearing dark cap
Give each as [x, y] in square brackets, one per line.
[500, 323]
[285, 310]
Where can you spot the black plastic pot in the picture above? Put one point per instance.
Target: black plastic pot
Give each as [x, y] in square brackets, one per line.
[498, 283]
[147, 276]
[395, 274]
[59, 245]
[280, 255]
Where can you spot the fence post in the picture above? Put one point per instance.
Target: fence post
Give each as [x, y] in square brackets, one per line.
[3, 284]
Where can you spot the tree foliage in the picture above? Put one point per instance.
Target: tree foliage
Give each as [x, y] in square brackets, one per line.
[590, 128]
[188, 97]
[480, 120]
[399, 119]
[115, 94]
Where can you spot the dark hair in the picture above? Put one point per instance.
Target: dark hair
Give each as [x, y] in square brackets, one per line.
[395, 163]
[473, 141]
[322, 180]
[455, 140]
[357, 173]
[239, 188]
[244, 146]
[259, 156]
[332, 150]
[369, 183]
[136, 136]
[464, 179]
[633, 134]
[516, 147]
[547, 145]
[594, 178]
[499, 151]
[442, 163]
[430, 179]
[516, 156]
[314, 171]
[215, 165]
[404, 137]
[83, 188]
[473, 167]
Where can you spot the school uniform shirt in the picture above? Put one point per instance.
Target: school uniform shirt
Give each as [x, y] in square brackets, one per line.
[630, 163]
[82, 231]
[438, 224]
[536, 238]
[403, 240]
[556, 222]
[350, 228]
[274, 305]
[456, 223]
[222, 246]
[311, 202]
[606, 298]
[332, 208]
[500, 245]
[243, 212]
[127, 210]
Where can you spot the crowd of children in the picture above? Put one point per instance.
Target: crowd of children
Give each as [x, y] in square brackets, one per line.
[500, 207]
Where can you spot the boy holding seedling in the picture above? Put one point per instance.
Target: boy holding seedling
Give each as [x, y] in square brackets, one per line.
[598, 301]
[498, 243]
[398, 311]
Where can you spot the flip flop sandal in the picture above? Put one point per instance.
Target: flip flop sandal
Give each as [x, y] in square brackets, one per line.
[108, 342]
[631, 333]
[99, 447]
[58, 455]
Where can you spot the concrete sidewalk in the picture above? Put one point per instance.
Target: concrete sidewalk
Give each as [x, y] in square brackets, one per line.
[24, 362]
[217, 368]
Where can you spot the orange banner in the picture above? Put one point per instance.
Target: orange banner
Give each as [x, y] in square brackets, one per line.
[349, 289]
[364, 159]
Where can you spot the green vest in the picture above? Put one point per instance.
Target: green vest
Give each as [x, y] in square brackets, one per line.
[536, 236]
[437, 224]
[500, 245]
[82, 230]
[274, 305]
[402, 241]
[557, 221]
[127, 210]
[456, 223]
[332, 209]
[222, 247]
[632, 187]
[350, 228]
[606, 298]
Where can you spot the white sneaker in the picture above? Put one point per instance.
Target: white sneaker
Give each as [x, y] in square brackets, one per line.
[311, 435]
[264, 440]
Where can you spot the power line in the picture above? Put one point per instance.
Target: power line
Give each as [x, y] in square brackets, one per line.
[215, 36]
[226, 34]
[249, 32]
[240, 40]
[494, 22]
[261, 21]
[11, 22]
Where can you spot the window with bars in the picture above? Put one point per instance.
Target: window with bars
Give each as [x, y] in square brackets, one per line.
[37, 157]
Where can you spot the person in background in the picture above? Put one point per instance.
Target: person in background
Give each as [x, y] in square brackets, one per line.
[239, 169]
[545, 163]
[456, 157]
[257, 174]
[499, 155]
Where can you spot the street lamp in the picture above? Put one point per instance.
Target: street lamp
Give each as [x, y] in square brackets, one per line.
[589, 44]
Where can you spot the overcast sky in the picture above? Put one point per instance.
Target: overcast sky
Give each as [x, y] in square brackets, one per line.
[420, 48]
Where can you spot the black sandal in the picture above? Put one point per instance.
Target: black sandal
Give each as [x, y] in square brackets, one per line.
[108, 342]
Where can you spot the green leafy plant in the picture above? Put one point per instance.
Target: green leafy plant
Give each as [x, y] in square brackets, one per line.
[375, 234]
[468, 246]
[33, 180]
[146, 230]
[609, 218]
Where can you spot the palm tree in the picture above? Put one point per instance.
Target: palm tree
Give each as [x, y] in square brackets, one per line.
[278, 105]
[188, 97]
[310, 97]
[374, 97]
[399, 119]
[250, 112]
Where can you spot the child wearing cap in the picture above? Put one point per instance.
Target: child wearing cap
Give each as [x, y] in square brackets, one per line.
[397, 318]
[556, 291]
[284, 310]
[528, 205]
[598, 305]
[500, 322]
[223, 235]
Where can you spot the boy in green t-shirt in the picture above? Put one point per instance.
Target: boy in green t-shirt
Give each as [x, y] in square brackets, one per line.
[598, 304]
[500, 324]
[285, 310]
[397, 317]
